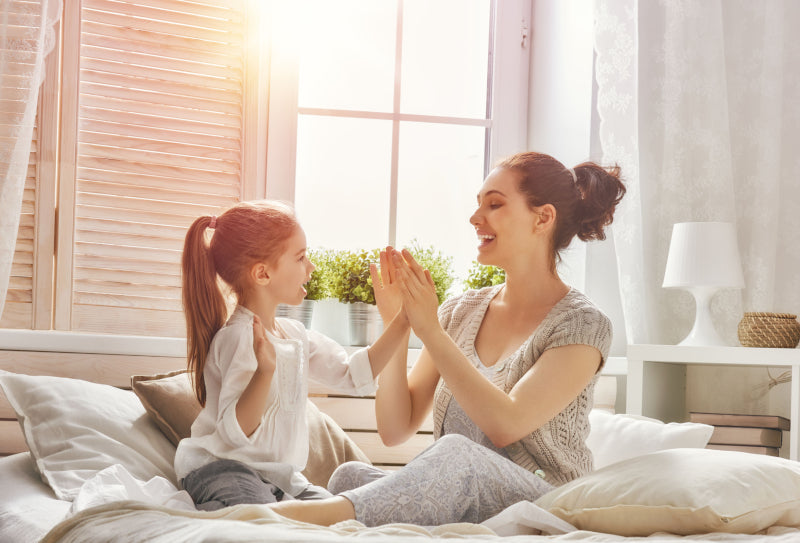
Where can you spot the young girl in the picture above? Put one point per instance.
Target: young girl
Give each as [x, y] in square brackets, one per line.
[250, 442]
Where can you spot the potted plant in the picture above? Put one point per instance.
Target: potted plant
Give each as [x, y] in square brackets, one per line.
[317, 288]
[480, 276]
[351, 284]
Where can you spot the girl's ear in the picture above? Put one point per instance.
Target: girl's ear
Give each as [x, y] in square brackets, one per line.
[259, 273]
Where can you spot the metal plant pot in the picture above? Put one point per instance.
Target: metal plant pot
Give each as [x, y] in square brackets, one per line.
[365, 323]
[302, 312]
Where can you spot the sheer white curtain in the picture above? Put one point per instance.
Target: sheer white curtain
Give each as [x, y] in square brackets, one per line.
[26, 36]
[699, 102]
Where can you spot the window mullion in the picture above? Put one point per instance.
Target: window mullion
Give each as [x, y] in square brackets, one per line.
[70, 66]
[393, 181]
[46, 184]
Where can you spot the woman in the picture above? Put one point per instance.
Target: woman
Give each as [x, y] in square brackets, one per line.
[509, 370]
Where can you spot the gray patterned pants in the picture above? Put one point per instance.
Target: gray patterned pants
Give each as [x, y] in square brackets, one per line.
[453, 480]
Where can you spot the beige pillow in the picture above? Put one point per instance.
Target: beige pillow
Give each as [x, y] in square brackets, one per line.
[682, 491]
[170, 401]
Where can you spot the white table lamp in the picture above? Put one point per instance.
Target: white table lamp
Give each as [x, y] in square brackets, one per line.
[703, 258]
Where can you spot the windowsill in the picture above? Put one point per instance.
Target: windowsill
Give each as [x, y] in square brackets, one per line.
[79, 342]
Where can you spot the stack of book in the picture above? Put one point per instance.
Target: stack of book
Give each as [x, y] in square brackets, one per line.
[759, 434]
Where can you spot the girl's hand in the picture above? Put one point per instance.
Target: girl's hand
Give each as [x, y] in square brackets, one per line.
[387, 292]
[265, 351]
[418, 291]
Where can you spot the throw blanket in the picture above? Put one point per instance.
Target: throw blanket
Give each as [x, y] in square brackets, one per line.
[131, 521]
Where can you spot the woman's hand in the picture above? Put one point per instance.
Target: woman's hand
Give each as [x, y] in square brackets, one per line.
[387, 293]
[265, 351]
[418, 294]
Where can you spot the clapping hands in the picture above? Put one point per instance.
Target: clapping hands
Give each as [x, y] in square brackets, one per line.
[418, 293]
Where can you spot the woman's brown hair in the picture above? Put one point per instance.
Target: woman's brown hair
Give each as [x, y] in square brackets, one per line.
[246, 234]
[584, 203]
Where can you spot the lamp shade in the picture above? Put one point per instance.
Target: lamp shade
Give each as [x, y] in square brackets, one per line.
[703, 254]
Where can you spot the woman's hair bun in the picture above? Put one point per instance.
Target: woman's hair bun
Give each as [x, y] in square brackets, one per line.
[601, 190]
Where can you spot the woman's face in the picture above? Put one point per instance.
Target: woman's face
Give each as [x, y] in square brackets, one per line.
[503, 221]
[292, 270]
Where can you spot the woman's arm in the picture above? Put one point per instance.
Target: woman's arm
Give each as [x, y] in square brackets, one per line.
[558, 376]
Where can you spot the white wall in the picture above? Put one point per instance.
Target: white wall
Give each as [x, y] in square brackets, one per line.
[561, 123]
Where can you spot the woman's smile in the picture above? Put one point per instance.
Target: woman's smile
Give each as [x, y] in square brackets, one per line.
[484, 240]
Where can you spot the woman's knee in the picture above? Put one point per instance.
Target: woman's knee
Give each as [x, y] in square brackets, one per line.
[352, 475]
[454, 440]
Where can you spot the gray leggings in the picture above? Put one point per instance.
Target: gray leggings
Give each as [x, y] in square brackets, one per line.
[227, 482]
[453, 480]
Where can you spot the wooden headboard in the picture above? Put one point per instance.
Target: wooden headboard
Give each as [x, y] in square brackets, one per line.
[356, 415]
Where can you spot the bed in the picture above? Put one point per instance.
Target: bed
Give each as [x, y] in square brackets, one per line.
[95, 464]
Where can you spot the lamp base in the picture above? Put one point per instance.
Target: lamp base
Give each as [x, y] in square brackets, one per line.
[703, 331]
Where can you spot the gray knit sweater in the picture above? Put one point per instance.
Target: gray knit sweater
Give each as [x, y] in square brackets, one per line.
[559, 446]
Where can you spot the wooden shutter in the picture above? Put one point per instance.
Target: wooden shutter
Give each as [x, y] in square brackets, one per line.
[18, 309]
[159, 116]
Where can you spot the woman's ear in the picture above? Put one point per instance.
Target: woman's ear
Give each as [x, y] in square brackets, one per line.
[259, 274]
[545, 218]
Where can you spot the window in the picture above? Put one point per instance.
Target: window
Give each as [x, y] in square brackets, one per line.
[396, 108]
[378, 111]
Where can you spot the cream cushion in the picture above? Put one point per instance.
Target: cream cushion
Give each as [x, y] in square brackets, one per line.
[616, 437]
[74, 429]
[682, 491]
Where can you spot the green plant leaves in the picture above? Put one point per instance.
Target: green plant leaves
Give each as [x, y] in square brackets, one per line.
[484, 276]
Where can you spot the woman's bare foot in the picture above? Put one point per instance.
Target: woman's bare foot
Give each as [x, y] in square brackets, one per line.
[323, 512]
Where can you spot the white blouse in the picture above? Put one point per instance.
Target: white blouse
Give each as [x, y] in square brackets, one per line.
[278, 448]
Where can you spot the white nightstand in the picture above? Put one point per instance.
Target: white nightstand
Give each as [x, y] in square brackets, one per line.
[656, 379]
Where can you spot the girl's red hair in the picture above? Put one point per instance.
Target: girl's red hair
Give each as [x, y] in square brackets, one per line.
[246, 234]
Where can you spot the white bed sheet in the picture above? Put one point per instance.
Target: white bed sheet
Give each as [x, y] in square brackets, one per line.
[28, 507]
[136, 511]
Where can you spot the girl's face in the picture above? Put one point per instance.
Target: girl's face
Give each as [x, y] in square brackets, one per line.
[291, 271]
[503, 221]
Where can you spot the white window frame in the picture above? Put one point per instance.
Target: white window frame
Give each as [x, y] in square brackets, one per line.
[507, 100]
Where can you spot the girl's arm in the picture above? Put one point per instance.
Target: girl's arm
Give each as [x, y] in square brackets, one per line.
[391, 348]
[252, 403]
[403, 400]
[556, 379]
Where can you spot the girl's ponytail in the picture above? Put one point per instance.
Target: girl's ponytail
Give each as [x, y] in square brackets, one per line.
[203, 303]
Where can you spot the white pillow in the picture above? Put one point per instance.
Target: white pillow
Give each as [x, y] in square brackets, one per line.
[613, 438]
[682, 491]
[75, 429]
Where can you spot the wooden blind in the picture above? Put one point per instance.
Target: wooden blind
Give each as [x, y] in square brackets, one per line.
[18, 309]
[160, 113]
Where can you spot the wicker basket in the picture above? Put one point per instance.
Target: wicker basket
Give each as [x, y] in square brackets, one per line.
[769, 330]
